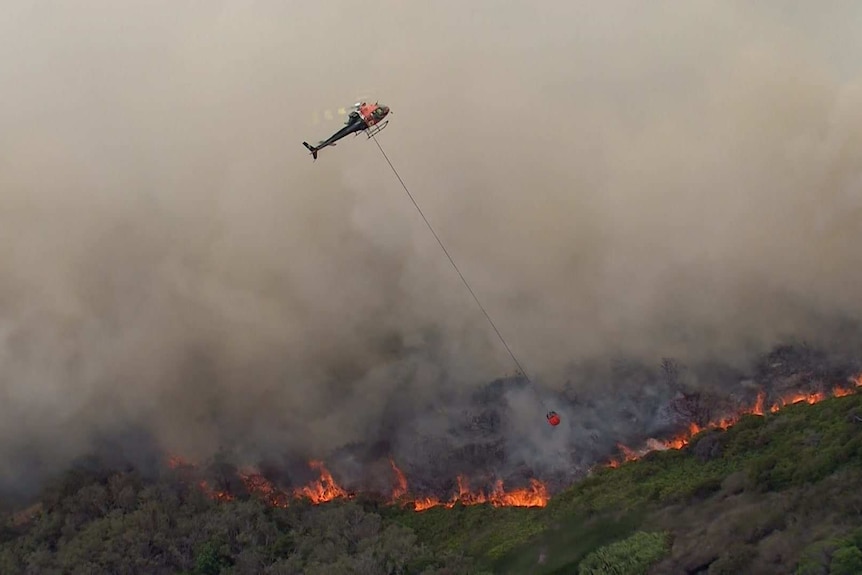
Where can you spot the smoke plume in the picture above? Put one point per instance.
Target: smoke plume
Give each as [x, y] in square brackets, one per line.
[616, 180]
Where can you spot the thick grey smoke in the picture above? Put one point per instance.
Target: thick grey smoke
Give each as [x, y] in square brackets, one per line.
[615, 179]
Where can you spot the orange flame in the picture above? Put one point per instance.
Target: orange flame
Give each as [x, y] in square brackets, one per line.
[400, 488]
[758, 406]
[684, 439]
[215, 495]
[536, 495]
[810, 398]
[425, 503]
[324, 489]
[627, 455]
[842, 391]
[260, 485]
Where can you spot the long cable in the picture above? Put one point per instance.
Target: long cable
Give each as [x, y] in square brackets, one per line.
[454, 265]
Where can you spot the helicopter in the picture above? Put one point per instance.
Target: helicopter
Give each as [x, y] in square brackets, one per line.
[363, 117]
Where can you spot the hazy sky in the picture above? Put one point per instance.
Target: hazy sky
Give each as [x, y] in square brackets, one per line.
[636, 178]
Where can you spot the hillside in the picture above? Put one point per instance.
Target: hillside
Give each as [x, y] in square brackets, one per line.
[772, 494]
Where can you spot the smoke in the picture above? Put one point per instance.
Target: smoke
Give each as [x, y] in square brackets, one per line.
[615, 180]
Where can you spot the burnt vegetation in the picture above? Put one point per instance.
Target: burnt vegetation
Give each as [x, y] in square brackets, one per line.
[774, 493]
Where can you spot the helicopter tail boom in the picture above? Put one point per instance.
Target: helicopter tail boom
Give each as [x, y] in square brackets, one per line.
[311, 149]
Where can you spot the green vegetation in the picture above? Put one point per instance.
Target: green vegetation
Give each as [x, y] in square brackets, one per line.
[773, 494]
[836, 556]
[631, 556]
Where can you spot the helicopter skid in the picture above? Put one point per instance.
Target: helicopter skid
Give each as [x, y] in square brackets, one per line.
[374, 130]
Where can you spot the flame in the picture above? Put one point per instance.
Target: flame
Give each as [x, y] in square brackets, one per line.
[465, 496]
[842, 391]
[425, 503]
[324, 489]
[627, 455]
[536, 495]
[261, 486]
[213, 494]
[810, 398]
[758, 405]
[400, 489]
[758, 408]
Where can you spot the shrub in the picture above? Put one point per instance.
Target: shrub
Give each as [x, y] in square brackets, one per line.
[846, 561]
[631, 556]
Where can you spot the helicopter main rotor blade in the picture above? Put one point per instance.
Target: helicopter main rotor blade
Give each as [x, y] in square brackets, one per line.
[329, 114]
